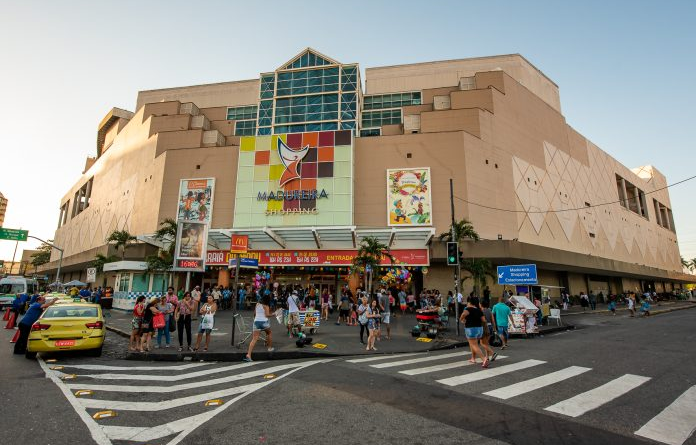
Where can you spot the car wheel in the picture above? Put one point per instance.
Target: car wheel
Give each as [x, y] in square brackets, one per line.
[30, 355]
[96, 352]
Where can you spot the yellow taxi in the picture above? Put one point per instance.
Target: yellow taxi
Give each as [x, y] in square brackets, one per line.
[68, 326]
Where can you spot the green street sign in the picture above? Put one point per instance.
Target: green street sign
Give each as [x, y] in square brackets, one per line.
[13, 234]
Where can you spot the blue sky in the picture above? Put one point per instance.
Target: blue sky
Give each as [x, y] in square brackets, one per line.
[625, 71]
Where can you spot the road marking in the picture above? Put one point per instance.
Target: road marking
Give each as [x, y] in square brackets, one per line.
[421, 359]
[169, 378]
[192, 385]
[117, 405]
[95, 430]
[674, 424]
[458, 364]
[526, 386]
[594, 398]
[488, 373]
[381, 357]
[138, 368]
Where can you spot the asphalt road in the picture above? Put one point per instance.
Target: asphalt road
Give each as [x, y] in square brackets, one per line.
[599, 384]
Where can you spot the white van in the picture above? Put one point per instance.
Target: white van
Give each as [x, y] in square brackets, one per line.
[13, 285]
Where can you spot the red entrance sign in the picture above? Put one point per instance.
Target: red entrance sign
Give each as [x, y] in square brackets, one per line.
[239, 244]
[407, 257]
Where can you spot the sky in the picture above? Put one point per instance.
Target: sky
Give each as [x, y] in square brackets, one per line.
[624, 68]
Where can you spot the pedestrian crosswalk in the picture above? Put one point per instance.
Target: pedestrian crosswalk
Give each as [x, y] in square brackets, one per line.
[162, 403]
[674, 425]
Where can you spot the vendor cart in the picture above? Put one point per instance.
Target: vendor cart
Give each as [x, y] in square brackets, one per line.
[310, 321]
[523, 316]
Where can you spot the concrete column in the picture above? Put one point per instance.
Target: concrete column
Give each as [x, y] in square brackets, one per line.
[638, 204]
[223, 277]
[658, 216]
[88, 193]
[624, 198]
[665, 218]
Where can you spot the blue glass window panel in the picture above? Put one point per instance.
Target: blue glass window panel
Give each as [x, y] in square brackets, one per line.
[348, 125]
[264, 121]
[314, 127]
[327, 126]
[264, 131]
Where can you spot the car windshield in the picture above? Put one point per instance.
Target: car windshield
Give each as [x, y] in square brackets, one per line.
[8, 288]
[70, 311]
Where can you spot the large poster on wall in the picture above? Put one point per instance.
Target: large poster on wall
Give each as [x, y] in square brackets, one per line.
[295, 179]
[408, 197]
[195, 200]
[191, 244]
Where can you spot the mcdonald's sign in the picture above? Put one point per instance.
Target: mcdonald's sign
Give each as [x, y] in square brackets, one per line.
[239, 244]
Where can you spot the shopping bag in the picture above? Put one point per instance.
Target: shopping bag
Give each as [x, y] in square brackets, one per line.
[172, 324]
[279, 315]
[207, 321]
[158, 321]
[495, 340]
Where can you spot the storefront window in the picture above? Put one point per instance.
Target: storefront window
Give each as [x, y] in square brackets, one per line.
[123, 282]
[159, 282]
[141, 282]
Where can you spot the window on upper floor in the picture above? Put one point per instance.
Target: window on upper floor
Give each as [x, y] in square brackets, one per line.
[379, 118]
[631, 197]
[64, 210]
[245, 128]
[241, 113]
[395, 100]
[81, 199]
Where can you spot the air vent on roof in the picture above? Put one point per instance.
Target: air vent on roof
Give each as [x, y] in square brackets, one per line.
[441, 103]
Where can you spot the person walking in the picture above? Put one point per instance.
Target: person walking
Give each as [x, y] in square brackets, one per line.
[30, 316]
[362, 318]
[566, 299]
[402, 302]
[207, 313]
[584, 301]
[473, 320]
[136, 323]
[343, 311]
[487, 330]
[261, 323]
[501, 316]
[182, 315]
[372, 314]
[325, 305]
[386, 314]
[632, 304]
[593, 301]
[293, 312]
[196, 296]
[612, 304]
[226, 298]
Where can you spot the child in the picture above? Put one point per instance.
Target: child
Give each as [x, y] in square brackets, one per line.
[645, 308]
[353, 315]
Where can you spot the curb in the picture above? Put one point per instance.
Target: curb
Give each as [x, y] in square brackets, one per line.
[117, 331]
[623, 309]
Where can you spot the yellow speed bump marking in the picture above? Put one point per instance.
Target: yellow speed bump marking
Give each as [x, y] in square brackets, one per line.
[319, 345]
[424, 339]
[269, 376]
[104, 414]
[214, 402]
[69, 376]
[51, 360]
[84, 392]
[56, 368]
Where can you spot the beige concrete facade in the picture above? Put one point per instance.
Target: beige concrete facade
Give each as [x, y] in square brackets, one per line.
[532, 185]
[3, 208]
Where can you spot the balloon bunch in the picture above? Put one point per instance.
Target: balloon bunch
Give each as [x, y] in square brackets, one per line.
[396, 275]
[261, 278]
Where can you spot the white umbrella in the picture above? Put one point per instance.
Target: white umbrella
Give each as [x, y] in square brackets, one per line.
[75, 283]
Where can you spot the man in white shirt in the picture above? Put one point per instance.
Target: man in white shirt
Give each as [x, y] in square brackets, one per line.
[196, 295]
[293, 312]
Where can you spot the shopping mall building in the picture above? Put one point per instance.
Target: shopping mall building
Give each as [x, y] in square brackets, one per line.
[310, 158]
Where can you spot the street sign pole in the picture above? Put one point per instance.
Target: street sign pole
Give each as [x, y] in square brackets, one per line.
[60, 260]
[235, 296]
[456, 269]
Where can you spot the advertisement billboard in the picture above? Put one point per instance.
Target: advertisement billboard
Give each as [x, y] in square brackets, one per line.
[316, 257]
[195, 200]
[191, 244]
[295, 179]
[409, 201]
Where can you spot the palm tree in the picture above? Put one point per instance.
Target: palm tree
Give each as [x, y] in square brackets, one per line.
[692, 264]
[686, 264]
[368, 259]
[167, 234]
[121, 239]
[479, 270]
[462, 230]
[100, 260]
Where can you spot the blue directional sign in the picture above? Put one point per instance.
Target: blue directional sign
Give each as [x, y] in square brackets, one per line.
[250, 263]
[517, 274]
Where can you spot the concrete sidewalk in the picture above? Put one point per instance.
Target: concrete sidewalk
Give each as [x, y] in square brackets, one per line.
[655, 308]
[339, 340]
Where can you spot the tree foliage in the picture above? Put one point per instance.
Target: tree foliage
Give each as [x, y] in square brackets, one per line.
[121, 240]
[100, 260]
[43, 255]
[480, 269]
[462, 230]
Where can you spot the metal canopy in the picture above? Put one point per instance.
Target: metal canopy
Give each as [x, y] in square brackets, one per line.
[324, 237]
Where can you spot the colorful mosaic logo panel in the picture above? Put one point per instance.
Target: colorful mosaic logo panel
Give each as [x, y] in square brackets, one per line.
[295, 179]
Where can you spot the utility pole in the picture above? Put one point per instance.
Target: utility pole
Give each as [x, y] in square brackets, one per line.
[453, 235]
[236, 295]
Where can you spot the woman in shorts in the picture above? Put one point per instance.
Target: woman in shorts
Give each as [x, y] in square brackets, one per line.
[207, 313]
[147, 330]
[261, 323]
[325, 305]
[136, 323]
[473, 320]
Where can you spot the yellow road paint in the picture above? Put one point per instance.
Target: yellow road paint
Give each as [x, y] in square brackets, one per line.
[84, 392]
[56, 368]
[69, 377]
[269, 376]
[214, 402]
[104, 414]
[424, 339]
[319, 346]
[51, 360]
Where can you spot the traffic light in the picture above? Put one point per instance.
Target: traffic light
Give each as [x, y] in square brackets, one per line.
[452, 254]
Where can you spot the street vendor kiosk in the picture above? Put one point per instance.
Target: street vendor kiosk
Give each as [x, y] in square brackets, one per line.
[523, 316]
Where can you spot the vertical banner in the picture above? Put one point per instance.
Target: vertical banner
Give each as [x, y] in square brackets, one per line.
[191, 246]
[408, 197]
[195, 200]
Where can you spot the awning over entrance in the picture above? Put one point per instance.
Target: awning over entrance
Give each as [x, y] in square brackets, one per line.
[342, 237]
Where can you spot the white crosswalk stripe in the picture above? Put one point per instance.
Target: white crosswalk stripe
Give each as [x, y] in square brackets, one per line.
[443, 367]
[490, 372]
[676, 423]
[517, 389]
[420, 360]
[381, 357]
[594, 398]
[224, 388]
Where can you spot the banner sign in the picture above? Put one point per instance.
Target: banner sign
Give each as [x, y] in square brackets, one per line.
[239, 244]
[195, 200]
[408, 197]
[406, 257]
[191, 244]
[517, 274]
